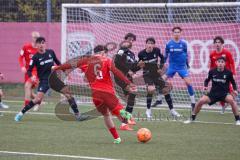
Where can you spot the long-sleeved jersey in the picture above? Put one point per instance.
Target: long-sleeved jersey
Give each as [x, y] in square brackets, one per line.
[43, 63]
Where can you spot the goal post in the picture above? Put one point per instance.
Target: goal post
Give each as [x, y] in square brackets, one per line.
[86, 25]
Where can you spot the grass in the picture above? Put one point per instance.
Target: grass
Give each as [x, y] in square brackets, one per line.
[171, 140]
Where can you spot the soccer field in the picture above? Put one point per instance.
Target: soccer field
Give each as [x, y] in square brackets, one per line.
[41, 135]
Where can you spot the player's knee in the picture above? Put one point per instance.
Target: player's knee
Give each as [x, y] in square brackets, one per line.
[150, 89]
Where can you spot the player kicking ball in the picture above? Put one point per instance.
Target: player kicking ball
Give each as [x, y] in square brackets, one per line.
[97, 71]
[220, 77]
[44, 60]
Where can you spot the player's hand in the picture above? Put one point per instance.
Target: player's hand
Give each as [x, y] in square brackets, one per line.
[205, 88]
[54, 68]
[235, 93]
[34, 79]
[131, 88]
[141, 64]
[130, 73]
[24, 70]
[160, 71]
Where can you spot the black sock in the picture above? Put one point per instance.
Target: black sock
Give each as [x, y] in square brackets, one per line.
[149, 101]
[193, 117]
[237, 118]
[73, 105]
[129, 109]
[131, 99]
[28, 107]
[169, 101]
[0, 99]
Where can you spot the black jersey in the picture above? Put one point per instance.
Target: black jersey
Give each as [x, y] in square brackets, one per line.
[43, 63]
[220, 81]
[151, 60]
[125, 61]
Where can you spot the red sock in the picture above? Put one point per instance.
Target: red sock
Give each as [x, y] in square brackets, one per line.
[114, 132]
[26, 102]
[222, 104]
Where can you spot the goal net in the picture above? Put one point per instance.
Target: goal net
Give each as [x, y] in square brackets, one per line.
[87, 25]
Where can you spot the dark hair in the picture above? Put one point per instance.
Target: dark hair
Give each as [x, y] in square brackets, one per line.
[130, 35]
[221, 58]
[218, 38]
[151, 39]
[40, 40]
[177, 27]
[100, 48]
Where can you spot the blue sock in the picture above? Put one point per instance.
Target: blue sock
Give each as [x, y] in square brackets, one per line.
[190, 90]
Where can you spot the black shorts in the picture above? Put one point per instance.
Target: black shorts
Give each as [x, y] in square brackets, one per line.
[215, 98]
[43, 86]
[122, 84]
[154, 80]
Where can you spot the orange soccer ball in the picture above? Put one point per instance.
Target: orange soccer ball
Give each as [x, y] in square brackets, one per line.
[144, 135]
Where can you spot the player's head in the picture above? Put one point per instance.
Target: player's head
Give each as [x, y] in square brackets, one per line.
[100, 49]
[221, 61]
[40, 43]
[177, 32]
[125, 44]
[150, 44]
[35, 35]
[130, 37]
[218, 42]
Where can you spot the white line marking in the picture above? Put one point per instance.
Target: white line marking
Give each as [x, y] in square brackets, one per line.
[55, 155]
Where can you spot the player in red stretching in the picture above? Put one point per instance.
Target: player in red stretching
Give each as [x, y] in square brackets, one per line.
[26, 54]
[97, 71]
[220, 51]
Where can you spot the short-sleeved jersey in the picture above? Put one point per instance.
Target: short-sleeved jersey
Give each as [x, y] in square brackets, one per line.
[177, 53]
[97, 70]
[43, 63]
[214, 55]
[151, 60]
[220, 81]
[26, 54]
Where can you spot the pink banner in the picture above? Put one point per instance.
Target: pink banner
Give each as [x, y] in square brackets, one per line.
[198, 36]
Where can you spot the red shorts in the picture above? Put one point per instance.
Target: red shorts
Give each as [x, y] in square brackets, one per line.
[105, 102]
[27, 79]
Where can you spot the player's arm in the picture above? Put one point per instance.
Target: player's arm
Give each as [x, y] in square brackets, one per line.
[31, 66]
[185, 50]
[167, 50]
[119, 74]
[162, 61]
[55, 59]
[72, 64]
[21, 61]
[207, 80]
[233, 82]
[232, 63]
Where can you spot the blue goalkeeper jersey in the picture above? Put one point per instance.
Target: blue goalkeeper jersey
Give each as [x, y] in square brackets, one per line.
[177, 53]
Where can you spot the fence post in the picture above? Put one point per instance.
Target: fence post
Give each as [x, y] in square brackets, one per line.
[49, 11]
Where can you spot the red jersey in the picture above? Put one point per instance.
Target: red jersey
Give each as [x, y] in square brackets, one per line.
[230, 65]
[26, 55]
[97, 70]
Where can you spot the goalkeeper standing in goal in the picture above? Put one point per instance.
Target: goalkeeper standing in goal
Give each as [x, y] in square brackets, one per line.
[176, 50]
[126, 62]
[152, 75]
[44, 60]
[221, 78]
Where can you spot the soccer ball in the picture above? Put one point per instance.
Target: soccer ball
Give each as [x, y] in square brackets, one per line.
[144, 135]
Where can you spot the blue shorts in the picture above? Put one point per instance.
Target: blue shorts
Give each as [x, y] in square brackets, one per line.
[181, 72]
[43, 86]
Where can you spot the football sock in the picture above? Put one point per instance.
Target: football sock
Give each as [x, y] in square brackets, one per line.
[169, 101]
[28, 107]
[131, 99]
[237, 118]
[0, 99]
[129, 108]
[73, 105]
[190, 90]
[193, 117]
[114, 132]
[149, 100]
[159, 95]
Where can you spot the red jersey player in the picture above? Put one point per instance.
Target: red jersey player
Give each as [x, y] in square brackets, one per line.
[222, 52]
[26, 53]
[97, 71]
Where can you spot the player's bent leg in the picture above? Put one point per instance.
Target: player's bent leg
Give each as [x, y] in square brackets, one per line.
[190, 91]
[28, 92]
[229, 99]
